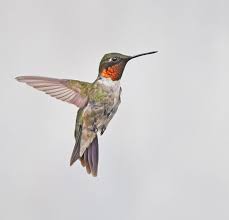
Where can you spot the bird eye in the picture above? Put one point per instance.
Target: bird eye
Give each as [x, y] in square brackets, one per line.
[114, 59]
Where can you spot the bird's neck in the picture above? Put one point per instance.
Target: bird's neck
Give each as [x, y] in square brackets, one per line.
[113, 72]
[109, 83]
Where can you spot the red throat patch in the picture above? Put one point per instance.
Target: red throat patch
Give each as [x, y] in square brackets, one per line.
[112, 72]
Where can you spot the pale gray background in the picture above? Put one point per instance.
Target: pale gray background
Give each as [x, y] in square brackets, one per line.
[165, 154]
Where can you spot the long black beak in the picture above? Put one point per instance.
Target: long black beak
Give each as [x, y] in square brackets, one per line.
[142, 54]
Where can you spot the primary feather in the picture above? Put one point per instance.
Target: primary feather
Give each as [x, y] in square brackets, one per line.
[71, 91]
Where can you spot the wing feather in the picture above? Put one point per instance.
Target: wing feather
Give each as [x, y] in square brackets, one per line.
[72, 91]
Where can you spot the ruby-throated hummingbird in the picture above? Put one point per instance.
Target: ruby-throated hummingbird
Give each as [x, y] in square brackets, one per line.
[97, 103]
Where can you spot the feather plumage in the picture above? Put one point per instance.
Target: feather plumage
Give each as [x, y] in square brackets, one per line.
[71, 91]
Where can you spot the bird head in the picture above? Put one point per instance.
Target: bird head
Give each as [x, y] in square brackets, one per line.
[112, 64]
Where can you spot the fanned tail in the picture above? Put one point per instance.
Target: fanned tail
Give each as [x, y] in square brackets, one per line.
[90, 158]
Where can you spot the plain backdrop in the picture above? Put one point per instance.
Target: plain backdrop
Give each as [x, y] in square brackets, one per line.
[165, 153]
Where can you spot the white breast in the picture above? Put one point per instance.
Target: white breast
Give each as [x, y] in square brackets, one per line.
[114, 89]
[109, 82]
[110, 85]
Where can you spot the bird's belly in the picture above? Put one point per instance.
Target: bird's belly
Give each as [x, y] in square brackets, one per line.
[99, 114]
[104, 113]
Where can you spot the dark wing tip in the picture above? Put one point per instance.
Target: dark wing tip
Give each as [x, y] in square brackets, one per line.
[18, 78]
[74, 158]
[71, 162]
[26, 78]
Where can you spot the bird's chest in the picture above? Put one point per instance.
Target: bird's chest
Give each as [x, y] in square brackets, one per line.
[107, 95]
[103, 101]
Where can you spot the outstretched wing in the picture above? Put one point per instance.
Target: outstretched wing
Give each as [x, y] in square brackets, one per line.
[72, 91]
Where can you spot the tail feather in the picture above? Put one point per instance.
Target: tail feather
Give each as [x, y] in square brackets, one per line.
[84, 160]
[95, 155]
[90, 157]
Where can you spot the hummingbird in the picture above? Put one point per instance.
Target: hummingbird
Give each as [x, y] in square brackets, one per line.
[97, 103]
